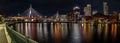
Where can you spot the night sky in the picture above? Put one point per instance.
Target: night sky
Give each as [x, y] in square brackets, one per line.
[50, 7]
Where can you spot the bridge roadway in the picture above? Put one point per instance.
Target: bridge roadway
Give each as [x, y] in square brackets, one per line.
[3, 38]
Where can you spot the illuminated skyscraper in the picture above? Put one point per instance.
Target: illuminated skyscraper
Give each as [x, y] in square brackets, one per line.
[76, 12]
[105, 8]
[87, 10]
[18, 14]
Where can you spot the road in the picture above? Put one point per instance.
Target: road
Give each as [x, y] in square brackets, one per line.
[3, 38]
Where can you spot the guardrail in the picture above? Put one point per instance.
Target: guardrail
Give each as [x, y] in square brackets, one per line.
[17, 37]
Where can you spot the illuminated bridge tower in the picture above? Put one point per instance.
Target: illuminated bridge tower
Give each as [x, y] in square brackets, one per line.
[56, 16]
[31, 29]
[30, 12]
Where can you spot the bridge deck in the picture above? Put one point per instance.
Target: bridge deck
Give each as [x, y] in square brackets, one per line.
[3, 38]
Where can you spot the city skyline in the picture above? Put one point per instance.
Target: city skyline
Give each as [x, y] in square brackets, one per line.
[59, 21]
[49, 8]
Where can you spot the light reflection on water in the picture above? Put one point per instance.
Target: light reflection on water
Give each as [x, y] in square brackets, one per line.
[114, 31]
[69, 32]
[87, 32]
[76, 34]
[57, 33]
[105, 32]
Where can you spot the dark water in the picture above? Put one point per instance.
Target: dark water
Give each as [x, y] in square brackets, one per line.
[70, 32]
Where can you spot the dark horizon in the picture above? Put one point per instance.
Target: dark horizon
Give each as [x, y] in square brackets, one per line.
[50, 7]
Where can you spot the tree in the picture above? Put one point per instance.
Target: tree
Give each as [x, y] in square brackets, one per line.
[2, 15]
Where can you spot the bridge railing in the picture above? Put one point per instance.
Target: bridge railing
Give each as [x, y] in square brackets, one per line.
[17, 37]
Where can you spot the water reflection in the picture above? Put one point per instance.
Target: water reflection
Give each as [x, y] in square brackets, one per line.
[99, 29]
[64, 30]
[57, 32]
[26, 29]
[87, 32]
[29, 30]
[114, 31]
[69, 32]
[52, 29]
[45, 30]
[105, 32]
[76, 34]
[39, 31]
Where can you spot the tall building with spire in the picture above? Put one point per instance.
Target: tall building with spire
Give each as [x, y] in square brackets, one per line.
[87, 10]
[105, 8]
